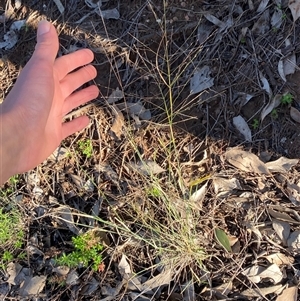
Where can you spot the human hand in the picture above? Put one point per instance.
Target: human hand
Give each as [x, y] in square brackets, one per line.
[32, 114]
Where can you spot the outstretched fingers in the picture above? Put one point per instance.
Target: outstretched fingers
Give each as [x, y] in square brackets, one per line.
[79, 98]
[76, 79]
[68, 63]
[74, 126]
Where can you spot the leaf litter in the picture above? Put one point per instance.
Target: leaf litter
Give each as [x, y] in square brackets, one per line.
[253, 200]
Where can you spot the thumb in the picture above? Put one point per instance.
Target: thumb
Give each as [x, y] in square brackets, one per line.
[47, 42]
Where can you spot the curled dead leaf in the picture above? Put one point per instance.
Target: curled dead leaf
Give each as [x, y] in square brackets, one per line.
[295, 114]
[245, 161]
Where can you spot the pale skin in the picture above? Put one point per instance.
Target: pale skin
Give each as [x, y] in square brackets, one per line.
[31, 116]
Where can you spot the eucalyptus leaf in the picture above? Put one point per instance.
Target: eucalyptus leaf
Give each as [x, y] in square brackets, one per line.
[223, 239]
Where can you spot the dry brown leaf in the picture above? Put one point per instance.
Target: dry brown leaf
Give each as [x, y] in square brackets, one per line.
[243, 127]
[274, 103]
[163, 278]
[282, 216]
[282, 164]
[115, 96]
[257, 273]
[224, 187]
[280, 259]
[293, 191]
[147, 167]
[294, 241]
[198, 196]
[262, 292]
[288, 294]
[294, 6]
[245, 161]
[282, 229]
[119, 122]
[295, 114]
[32, 285]
[59, 6]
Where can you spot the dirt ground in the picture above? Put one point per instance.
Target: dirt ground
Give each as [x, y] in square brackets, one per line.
[148, 55]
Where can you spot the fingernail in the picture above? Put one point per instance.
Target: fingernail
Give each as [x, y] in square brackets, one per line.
[43, 27]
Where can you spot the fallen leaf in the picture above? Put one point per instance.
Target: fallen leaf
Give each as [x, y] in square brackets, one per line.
[262, 6]
[32, 285]
[163, 278]
[13, 269]
[282, 216]
[242, 126]
[293, 192]
[59, 6]
[61, 270]
[288, 64]
[214, 20]
[282, 229]
[204, 30]
[272, 272]
[124, 266]
[266, 85]
[262, 26]
[59, 154]
[256, 273]
[245, 161]
[294, 241]
[198, 196]
[93, 3]
[282, 164]
[223, 239]
[277, 18]
[147, 167]
[109, 14]
[242, 99]
[274, 103]
[262, 292]
[116, 95]
[223, 289]
[280, 259]
[224, 187]
[253, 272]
[72, 278]
[288, 294]
[66, 217]
[89, 288]
[137, 109]
[189, 291]
[119, 122]
[295, 114]
[201, 80]
[11, 37]
[294, 6]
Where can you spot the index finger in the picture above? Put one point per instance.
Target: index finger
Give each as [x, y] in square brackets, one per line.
[69, 62]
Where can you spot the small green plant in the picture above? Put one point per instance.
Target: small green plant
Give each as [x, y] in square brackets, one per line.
[243, 40]
[274, 114]
[11, 235]
[87, 251]
[86, 147]
[7, 256]
[287, 99]
[255, 123]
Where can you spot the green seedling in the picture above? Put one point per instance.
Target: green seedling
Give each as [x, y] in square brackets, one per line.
[255, 124]
[287, 99]
[86, 147]
[87, 251]
[243, 40]
[274, 114]
[11, 235]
